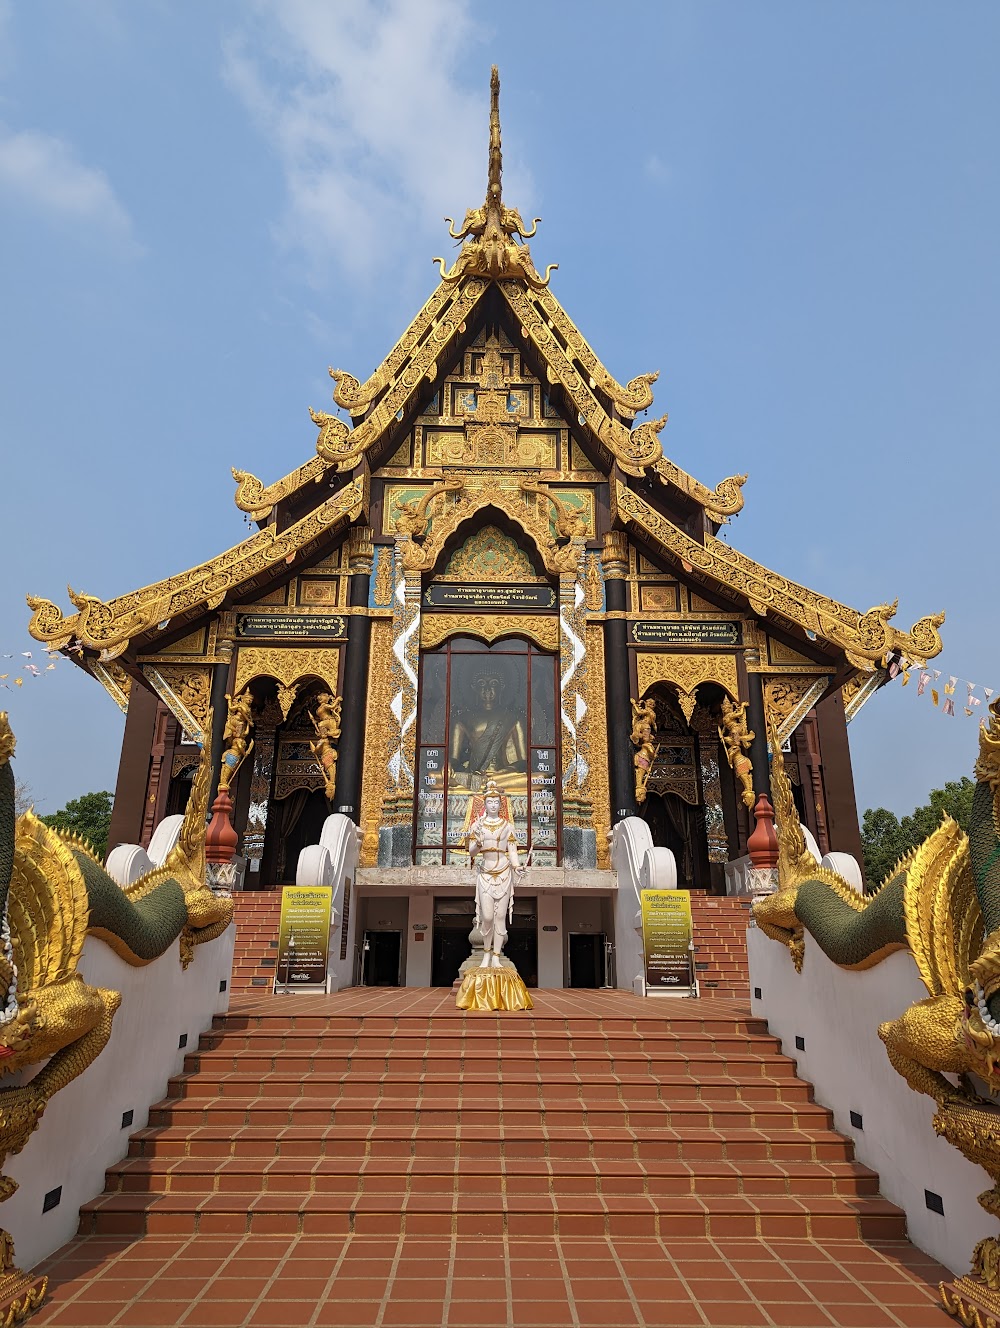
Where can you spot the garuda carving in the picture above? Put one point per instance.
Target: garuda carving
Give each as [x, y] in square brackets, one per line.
[942, 903]
[53, 892]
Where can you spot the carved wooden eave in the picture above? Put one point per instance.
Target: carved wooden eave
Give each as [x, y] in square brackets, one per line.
[108, 628]
[493, 256]
[864, 639]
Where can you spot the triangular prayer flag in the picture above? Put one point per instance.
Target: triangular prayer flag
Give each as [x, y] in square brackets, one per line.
[922, 681]
[968, 710]
[49, 667]
[934, 696]
[18, 682]
[906, 676]
[949, 706]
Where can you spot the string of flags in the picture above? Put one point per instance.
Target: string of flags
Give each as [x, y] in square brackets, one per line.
[943, 695]
[14, 675]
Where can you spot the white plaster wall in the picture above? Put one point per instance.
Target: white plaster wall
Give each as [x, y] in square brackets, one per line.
[630, 841]
[418, 953]
[550, 943]
[838, 1012]
[81, 1133]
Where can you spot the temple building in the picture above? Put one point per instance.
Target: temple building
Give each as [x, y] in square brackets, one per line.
[488, 569]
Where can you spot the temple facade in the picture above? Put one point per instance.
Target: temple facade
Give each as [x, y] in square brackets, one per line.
[488, 569]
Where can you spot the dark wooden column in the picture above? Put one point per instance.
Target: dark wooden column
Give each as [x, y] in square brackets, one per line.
[838, 777]
[133, 768]
[351, 748]
[621, 770]
[757, 723]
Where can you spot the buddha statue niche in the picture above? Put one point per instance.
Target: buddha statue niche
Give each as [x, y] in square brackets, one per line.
[487, 740]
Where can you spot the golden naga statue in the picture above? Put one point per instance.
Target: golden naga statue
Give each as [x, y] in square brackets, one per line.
[326, 722]
[491, 249]
[736, 739]
[643, 728]
[239, 722]
[53, 893]
[941, 902]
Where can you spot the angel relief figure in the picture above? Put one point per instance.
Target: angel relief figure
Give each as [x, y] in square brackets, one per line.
[643, 728]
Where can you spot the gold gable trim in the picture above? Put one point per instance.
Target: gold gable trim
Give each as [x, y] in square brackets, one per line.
[865, 638]
[109, 627]
[437, 627]
[686, 673]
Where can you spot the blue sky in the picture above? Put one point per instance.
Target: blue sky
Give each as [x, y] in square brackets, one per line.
[790, 210]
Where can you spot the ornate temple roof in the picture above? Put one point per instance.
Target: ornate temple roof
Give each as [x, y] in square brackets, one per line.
[493, 263]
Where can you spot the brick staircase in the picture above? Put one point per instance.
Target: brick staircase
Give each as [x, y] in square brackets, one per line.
[720, 939]
[257, 916]
[672, 1122]
[601, 1160]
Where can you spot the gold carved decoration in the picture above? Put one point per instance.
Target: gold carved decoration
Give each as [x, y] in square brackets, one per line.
[115, 681]
[859, 690]
[437, 627]
[789, 699]
[340, 446]
[593, 588]
[489, 556]
[600, 793]
[556, 559]
[410, 517]
[634, 449]
[109, 627]
[571, 521]
[383, 578]
[864, 637]
[374, 779]
[287, 668]
[641, 737]
[326, 722]
[686, 673]
[236, 737]
[722, 502]
[490, 248]
[185, 690]
[736, 739]
[637, 395]
[357, 397]
[614, 555]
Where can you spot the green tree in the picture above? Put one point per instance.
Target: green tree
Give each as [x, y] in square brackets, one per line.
[885, 837]
[88, 816]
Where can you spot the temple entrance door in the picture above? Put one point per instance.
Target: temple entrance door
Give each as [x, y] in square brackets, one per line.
[522, 940]
[487, 712]
[586, 959]
[674, 808]
[453, 919]
[382, 958]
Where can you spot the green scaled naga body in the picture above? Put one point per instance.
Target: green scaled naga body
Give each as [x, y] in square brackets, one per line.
[941, 903]
[53, 893]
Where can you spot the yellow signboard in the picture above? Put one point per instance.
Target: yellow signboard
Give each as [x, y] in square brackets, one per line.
[666, 940]
[303, 938]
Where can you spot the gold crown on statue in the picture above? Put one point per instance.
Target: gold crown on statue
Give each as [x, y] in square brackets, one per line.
[492, 789]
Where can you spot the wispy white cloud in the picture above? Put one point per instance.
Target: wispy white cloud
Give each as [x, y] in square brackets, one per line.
[44, 173]
[656, 169]
[377, 114]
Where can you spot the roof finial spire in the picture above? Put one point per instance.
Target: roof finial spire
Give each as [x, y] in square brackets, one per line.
[493, 232]
[493, 185]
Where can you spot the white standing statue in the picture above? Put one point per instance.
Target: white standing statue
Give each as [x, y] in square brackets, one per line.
[495, 984]
[492, 839]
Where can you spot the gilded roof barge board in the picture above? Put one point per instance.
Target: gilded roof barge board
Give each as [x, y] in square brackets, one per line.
[109, 627]
[491, 252]
[866, 638]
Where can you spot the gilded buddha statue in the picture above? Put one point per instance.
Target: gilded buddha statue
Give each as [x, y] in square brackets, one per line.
[487, 740]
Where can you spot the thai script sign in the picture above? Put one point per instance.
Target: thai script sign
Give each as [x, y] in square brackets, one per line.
[666, 940]
[489, 599]
[297, 625]
[303, 938]
[686, 632]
